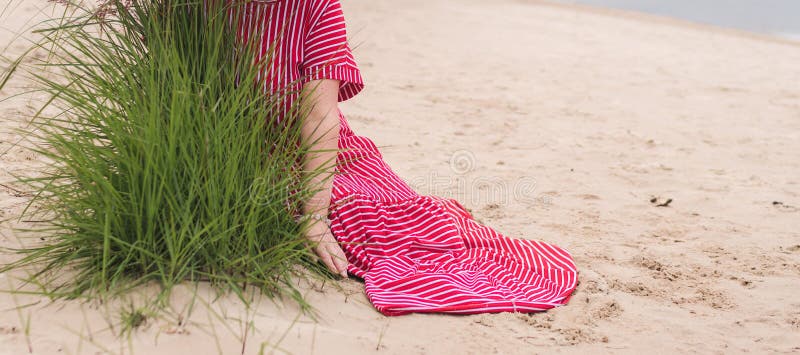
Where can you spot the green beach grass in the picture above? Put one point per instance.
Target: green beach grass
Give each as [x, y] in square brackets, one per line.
[167, 163]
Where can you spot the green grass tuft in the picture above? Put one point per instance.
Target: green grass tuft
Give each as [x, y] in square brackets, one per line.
[167, 162]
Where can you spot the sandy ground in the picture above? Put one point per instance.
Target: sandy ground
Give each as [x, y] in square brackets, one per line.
[552, 122]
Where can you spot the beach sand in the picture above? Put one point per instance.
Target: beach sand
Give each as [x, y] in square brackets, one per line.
[551, 122]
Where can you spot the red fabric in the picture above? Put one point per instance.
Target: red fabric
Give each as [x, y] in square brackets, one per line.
[415, 253]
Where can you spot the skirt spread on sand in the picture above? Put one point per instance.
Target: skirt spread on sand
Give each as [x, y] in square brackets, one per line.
[427, 254]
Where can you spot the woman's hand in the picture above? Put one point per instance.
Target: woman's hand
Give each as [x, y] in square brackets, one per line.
[327, 248]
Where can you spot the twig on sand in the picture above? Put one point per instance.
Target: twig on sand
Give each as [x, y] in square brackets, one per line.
[380, 336]
[17, 192]
[784, 206]
[654, 201]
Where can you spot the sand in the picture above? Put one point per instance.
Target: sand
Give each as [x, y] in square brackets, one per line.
[553, 122]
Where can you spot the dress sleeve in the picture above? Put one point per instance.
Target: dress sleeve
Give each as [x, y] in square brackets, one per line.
[326, 54]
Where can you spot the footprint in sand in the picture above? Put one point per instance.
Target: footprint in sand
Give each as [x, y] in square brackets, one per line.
[594, 290]
[659, 270]
[682, 284]
[705, 296]
[675, 272]
[592, 283]
[607, 309]
[538, 320]
[632, 287]
[562, 336]
[575, 336]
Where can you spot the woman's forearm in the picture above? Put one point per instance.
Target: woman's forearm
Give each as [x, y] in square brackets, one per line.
[320, 132]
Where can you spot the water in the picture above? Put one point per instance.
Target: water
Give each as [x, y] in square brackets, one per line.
[775, 17]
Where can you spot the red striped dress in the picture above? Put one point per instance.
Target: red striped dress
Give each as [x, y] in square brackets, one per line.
[415, 253]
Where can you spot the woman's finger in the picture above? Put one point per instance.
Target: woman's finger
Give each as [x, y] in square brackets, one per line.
[339, 259]
[327, 259]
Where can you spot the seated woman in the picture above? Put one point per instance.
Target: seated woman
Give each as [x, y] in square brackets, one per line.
[415, 253]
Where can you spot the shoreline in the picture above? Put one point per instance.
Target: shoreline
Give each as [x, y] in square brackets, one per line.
[651, 18]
